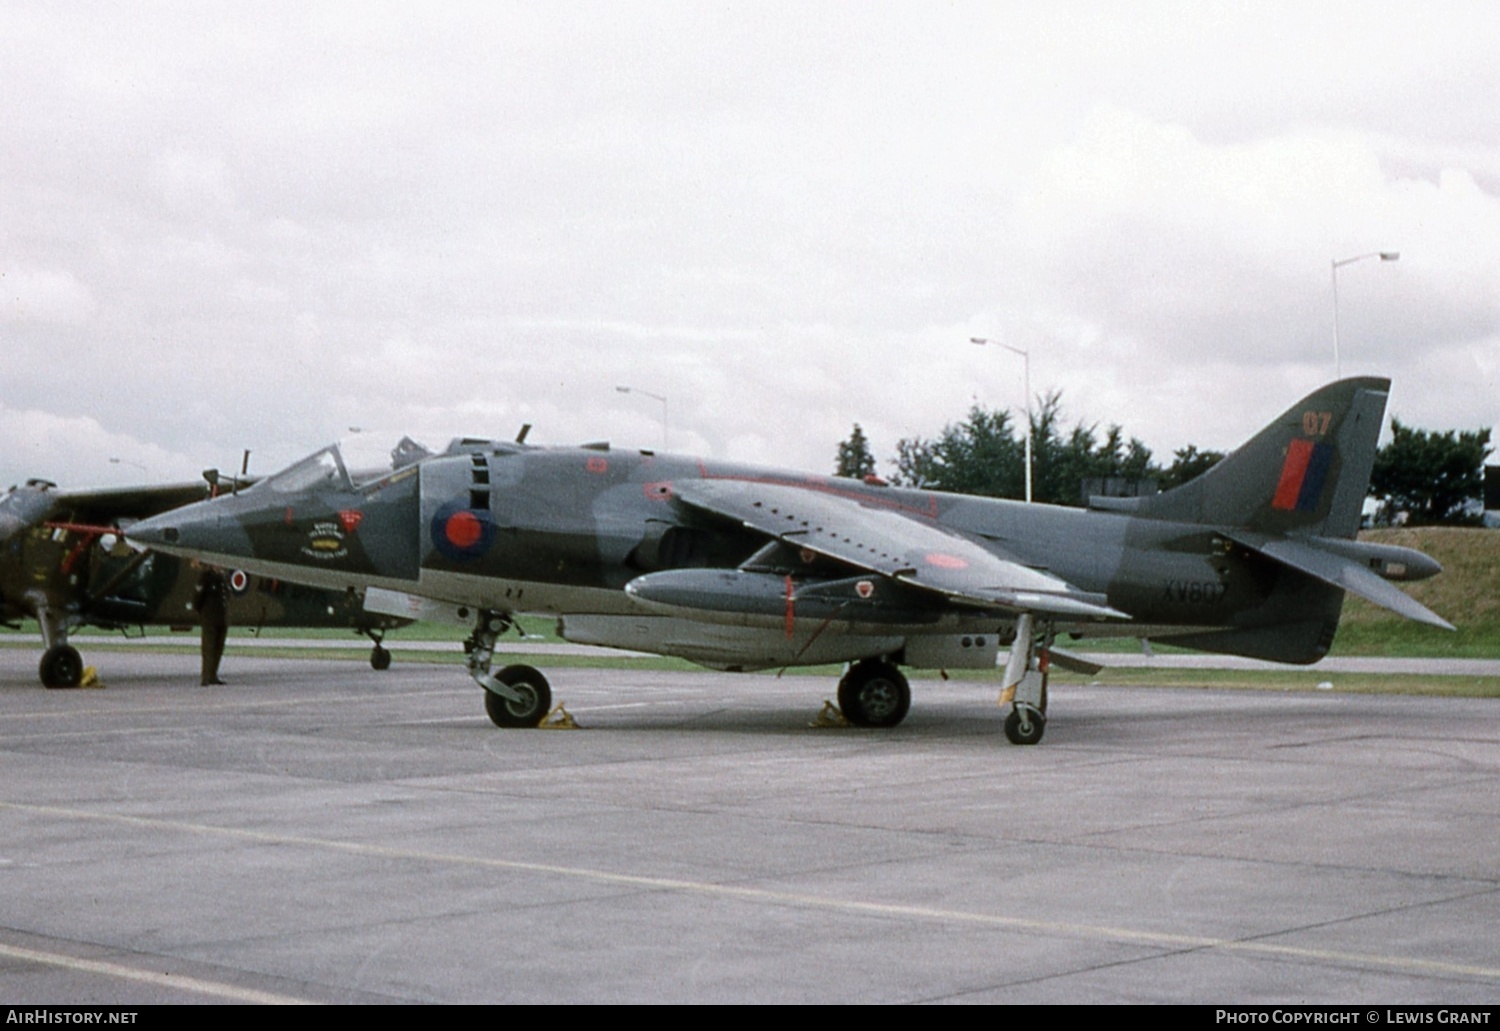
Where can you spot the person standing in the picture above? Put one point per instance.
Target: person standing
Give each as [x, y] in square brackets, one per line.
[213, 612]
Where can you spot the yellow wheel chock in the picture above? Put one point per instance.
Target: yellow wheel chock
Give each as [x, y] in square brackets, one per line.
[558, 719]
[829, 716]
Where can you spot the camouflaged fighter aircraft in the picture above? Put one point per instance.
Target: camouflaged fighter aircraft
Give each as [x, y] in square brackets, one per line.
[741, 568]
[64, 564]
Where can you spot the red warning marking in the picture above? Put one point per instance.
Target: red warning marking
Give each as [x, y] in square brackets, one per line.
[463, 529]
[350, 519]
[597, 465]
[945, 561]
[660, 491]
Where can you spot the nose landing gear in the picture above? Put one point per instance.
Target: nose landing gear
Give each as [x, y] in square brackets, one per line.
[517, 696]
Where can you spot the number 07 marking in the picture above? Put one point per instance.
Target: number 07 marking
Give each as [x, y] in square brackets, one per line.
[1315, 424]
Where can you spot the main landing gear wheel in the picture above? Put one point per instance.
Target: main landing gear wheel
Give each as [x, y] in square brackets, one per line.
[1024, 725]
[380, 658]
[61, 666]
[536, 698]
[874, 694]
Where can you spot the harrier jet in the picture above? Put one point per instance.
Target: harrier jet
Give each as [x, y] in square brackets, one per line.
[742, 568]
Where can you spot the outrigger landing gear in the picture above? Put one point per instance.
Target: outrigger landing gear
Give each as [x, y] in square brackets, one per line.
[1026, 683]
[380, 655]
[517, 696]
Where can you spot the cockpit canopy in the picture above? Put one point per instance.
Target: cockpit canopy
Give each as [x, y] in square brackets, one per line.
[323, 469]
[328, 469]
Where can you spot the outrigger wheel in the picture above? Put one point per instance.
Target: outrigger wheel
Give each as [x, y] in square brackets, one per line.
[1025, 724]
[380, 656]
[874, 693]
[61, 666]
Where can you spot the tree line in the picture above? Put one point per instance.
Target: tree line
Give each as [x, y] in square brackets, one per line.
[1433, 477]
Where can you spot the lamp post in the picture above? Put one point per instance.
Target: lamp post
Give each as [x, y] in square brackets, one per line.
[1337, 264]
[654, 397]
[1026, 357]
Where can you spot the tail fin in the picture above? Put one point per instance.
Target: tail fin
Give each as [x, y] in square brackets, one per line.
[1306, 473]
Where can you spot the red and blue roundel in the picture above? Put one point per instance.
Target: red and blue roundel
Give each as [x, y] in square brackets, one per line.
[462, 533]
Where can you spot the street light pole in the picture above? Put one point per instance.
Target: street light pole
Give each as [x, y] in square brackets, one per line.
[1026, 358]
[1337, 264]
[654, 397]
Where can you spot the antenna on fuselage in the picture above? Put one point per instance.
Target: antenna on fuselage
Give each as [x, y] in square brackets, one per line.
[525, 429]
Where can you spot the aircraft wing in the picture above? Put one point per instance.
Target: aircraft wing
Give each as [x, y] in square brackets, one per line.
[107, 505]
[895, 542]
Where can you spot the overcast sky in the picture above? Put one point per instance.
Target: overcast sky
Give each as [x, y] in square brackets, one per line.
[255, 225]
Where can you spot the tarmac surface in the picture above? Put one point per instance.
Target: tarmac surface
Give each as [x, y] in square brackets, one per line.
[320, 832]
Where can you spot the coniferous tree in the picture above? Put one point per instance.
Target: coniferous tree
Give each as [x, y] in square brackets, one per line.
[855, 459]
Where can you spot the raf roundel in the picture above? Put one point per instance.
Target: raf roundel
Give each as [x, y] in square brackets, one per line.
[463, 529]
[462, 533]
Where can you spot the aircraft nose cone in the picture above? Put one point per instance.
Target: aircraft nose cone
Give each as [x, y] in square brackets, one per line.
[155, 531]
[183, 531]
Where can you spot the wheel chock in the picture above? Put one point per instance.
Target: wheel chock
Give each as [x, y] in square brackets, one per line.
[829, 716]
[90, 678]
[558, 719]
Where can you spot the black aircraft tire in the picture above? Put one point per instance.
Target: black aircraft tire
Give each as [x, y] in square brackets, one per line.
[380, 658]
[1031, 734]
[874, 694]
[61, 666]
[532, 686]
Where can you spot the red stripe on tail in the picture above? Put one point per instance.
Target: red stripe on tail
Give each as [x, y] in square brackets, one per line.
[1293, 471]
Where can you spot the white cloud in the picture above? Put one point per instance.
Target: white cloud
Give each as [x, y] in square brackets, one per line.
[190, 181]
[43, 297]
[256, 227]
[75, 451]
